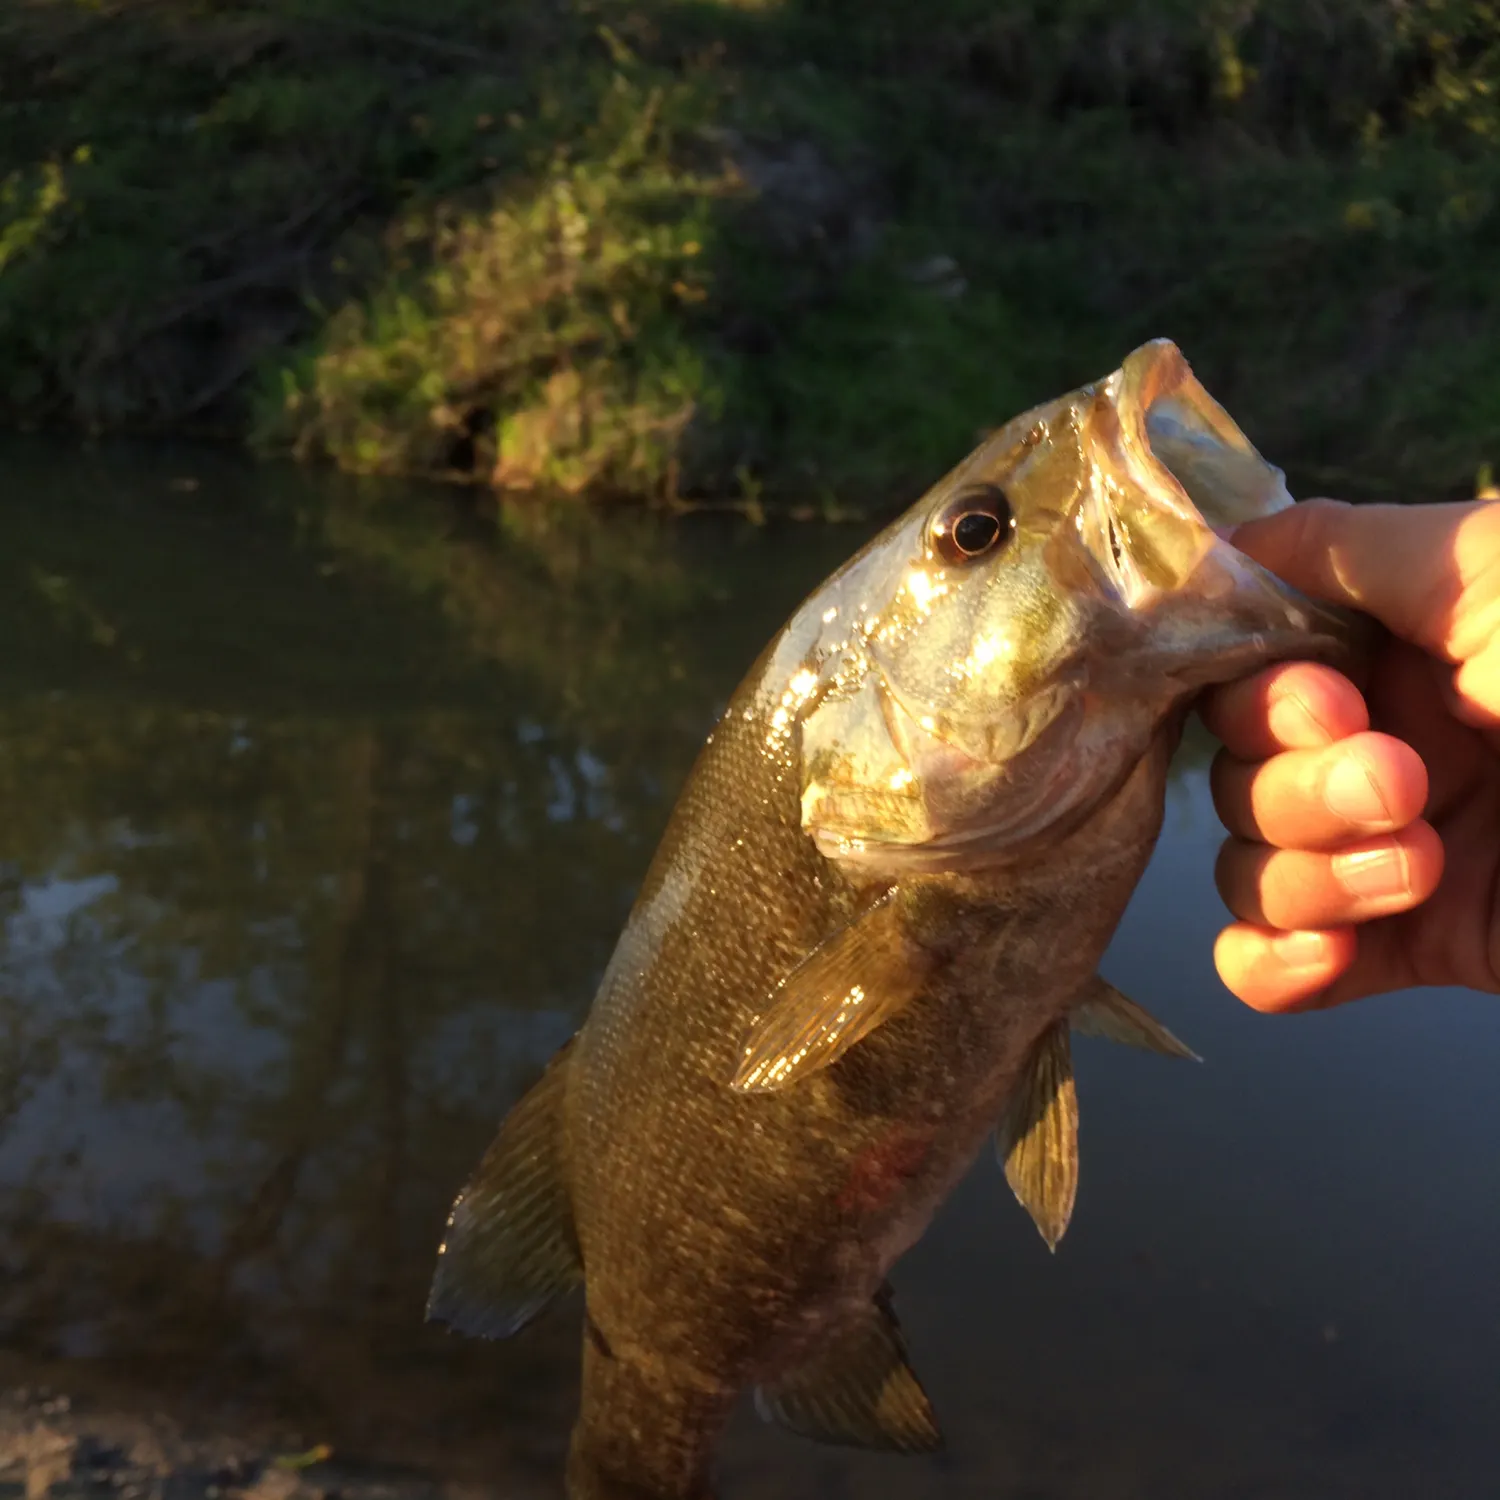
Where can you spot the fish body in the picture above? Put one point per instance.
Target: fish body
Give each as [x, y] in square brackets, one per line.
[876, 913]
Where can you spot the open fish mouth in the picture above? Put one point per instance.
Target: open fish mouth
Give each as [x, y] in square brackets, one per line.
[1173, 423]
[1174, 478]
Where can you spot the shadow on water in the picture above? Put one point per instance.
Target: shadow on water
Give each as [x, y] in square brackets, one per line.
[317, 824]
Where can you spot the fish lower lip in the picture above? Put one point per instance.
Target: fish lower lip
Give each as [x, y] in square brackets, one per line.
[1259, 650]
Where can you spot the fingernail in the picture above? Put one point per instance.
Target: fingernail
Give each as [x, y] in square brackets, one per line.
[1350, 792]
[1374, 874]
[1301, 950]
[1294, 723]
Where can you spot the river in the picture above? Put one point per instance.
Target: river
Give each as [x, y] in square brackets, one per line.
[320, 809]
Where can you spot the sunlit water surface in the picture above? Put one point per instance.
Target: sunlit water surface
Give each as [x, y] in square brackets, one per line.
[319, 813]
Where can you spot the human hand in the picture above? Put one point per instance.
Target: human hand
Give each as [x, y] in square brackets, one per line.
[1365, 827]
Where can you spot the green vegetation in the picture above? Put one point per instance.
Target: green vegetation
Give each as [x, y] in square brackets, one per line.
[791, 251]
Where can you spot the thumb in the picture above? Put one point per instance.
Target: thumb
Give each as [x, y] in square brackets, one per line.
[1410, 566]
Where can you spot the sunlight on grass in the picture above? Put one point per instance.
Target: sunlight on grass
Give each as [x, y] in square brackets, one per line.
[541, 347]
[800, 249]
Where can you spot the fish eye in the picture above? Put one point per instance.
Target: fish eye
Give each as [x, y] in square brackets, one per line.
[972, 524]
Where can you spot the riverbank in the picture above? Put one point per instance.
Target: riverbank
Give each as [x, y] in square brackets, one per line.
[781, 252]
[54, 1444]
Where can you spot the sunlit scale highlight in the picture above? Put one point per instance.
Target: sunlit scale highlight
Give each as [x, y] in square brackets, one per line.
[798, 690]
[986, 649]
[925, 587]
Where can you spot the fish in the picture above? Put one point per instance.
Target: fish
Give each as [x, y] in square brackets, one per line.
[871, 929]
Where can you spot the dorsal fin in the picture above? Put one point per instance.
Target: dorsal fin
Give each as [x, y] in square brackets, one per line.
[510, 1246]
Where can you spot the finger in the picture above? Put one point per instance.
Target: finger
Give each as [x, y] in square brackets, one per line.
[1295, 706]
[1411, 566]
[1321, 799]
[1474, 695]
[1294, 889]
[1282, 971]
[1286, 972]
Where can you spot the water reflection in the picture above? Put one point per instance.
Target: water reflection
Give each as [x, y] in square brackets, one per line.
[319, 813]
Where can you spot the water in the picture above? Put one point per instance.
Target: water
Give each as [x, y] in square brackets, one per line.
[319, 813]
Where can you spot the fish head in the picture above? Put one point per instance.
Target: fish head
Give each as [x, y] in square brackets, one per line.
[998, 660]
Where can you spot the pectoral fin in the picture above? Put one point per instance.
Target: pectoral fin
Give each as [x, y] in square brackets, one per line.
[859, 1391]
[1038, 1137]
[847, 986]
[510, 1246]
[1109, 1014]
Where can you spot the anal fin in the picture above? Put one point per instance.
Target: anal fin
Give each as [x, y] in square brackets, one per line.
[1037, 1139]
[1105, 1012]
[510, 1246]
[859, 1391]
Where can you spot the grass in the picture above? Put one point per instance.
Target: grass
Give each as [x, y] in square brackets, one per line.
[792, 252]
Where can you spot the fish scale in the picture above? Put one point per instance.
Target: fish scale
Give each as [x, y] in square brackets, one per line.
[765, 1177]
[877, 909]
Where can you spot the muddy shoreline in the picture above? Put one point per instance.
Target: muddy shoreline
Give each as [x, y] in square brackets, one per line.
[81, 1447]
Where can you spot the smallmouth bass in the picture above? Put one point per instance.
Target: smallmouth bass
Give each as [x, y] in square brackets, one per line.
[872, 924]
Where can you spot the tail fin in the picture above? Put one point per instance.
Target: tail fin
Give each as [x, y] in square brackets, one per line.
[641, 1434]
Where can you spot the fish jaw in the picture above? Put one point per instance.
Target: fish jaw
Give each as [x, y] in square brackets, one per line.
[1172, 477]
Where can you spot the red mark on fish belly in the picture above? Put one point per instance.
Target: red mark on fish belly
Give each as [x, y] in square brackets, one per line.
[880, 1171]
